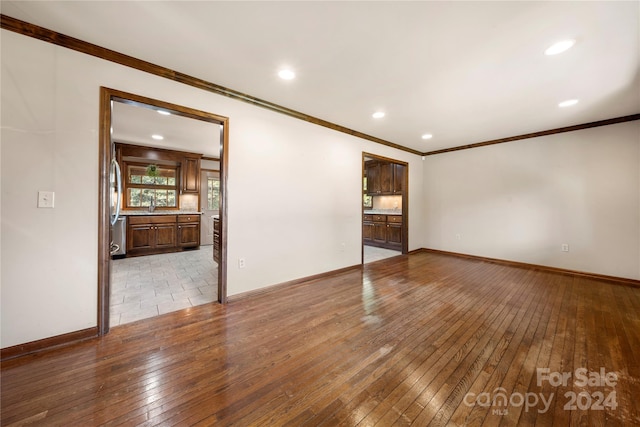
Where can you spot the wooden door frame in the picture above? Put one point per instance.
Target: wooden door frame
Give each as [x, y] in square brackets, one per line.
[108, 95]
[405, 200]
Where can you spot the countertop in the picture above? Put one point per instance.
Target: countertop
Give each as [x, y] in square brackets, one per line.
[383, 212]
[146, 212]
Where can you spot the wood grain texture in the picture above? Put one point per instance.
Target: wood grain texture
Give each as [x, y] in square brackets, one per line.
[398, 342]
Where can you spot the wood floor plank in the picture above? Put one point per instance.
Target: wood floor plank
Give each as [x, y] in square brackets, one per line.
[401, 341]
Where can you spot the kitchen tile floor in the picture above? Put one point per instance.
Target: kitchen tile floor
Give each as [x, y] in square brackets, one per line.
[147, 286]
[372, 253]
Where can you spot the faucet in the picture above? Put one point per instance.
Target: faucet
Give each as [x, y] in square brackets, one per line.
[152, 206]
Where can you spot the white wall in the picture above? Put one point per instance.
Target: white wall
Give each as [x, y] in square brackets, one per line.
[522, 200]
[294, 188]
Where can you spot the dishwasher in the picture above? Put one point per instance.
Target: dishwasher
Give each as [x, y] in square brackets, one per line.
[119, 238]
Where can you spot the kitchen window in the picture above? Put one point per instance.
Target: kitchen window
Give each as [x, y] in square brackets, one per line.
[145, 186]
[213, 194]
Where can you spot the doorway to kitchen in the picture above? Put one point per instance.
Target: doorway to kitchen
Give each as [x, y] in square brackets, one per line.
[160, 187]
[385, 207]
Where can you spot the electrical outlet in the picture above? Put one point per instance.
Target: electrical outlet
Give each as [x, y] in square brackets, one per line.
[45, 199]
[565, 247]
[240, 262]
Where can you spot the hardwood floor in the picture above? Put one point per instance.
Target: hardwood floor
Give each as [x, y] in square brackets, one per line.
[424, 339]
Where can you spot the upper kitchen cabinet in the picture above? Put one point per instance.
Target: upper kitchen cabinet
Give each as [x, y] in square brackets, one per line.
[372, 171]
[384, 178]
[191, 174]
[398, 178]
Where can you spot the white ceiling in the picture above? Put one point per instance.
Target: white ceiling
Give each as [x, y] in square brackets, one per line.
[465, 72]
[136, 125]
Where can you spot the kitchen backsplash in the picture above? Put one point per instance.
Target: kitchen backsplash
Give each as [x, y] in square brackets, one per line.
[387, 202]
[189, 202]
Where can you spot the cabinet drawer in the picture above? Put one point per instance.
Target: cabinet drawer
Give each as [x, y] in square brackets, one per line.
[152, 219]
[368, 217]
[188, 218]
[379, 218]
[395, 218]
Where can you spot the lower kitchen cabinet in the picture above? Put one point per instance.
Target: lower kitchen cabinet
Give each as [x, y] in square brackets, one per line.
[384, 231]
[216, 240]
[149, 234]
[188, 231]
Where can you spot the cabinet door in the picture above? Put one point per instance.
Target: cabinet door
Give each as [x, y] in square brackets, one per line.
[379, 232]
[165, 235]
[394, 234]
[216, 240]
[386, 178]
[367, 231]
[140, 236]
[191, 175]
[189, 235]
[398, 178]
[373, 178]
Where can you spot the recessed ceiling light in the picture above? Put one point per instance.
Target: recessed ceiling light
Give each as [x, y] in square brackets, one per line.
[286, 74]
[164, 113]
[378, 115]
[427, 136]
[568, 103]
[157, 137]
[559, 47]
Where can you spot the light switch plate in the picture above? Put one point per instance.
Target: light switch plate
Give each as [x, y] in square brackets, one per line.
[45, 199]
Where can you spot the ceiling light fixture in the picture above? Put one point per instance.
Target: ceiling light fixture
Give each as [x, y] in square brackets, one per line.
[559, 47]
[286, 74]
[164, 113]
[378, 115]
[157, 137]
[568, 103]
[427, 136]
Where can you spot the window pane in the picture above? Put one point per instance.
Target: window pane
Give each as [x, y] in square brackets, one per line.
[213, 193]
[171, 198]
[147, 180]
[135, 179]
[134, 197]
[161, 197]
[171, 181]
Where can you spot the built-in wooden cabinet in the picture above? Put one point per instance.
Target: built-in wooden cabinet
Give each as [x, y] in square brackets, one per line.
[188, 231]
[383, 231]
[398, 178]
[190, 175]
[149, 234]
[216, 240]
[384, 178]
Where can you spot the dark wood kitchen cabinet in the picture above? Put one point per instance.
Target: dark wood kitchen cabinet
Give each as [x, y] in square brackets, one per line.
[151, 234]
[394, 231]
[367, 228]
[216, 240]
[190, 175]
[384, 231]
[384, 178]
[398, 178]
[373, 177]
[188, 230]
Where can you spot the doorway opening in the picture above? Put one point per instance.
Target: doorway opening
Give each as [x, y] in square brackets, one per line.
[161, 187]
[385, 207]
